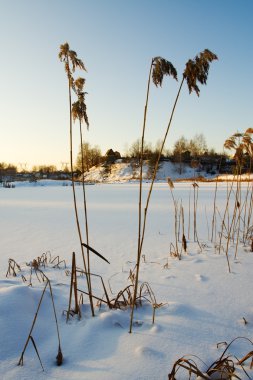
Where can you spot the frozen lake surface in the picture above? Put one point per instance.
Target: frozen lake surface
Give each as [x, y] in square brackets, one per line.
[203, 303]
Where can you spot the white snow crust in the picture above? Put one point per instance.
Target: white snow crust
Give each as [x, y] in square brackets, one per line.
[203, 304]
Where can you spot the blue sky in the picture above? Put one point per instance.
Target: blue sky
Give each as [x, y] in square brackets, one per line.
[116, 39]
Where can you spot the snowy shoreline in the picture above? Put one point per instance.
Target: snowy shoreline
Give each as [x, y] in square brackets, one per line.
[44, 183]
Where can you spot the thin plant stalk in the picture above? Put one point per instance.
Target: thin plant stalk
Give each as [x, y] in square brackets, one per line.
[207, 224]
[189, 214]
[226, 212]
[228, 240]
[249, 213]
[158, 68]
[33, 323]
[182, 216]
[175, 203]
[48, 283]
[66, 55]
[184, 242]
[239, 215]
[213, 236]
[230, 230]
[140, 200]
[157, 164]
[246, 226]
[147, 204]
[85, 214]
[196, 194]
[179, 221]
[246, 210]
[79, 112]
[196, 70]
[194, 212]
[76, 212]
[73, 286]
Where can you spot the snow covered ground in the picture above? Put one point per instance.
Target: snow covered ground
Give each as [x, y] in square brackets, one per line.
[128, 172]
[203, 304]
[124, 172]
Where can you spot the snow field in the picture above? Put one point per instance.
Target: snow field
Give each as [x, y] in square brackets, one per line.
[203, 303]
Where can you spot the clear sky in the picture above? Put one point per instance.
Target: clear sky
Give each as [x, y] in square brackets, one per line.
[116, 39]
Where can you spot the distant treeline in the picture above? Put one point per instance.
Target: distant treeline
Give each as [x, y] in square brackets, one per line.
[193, 152]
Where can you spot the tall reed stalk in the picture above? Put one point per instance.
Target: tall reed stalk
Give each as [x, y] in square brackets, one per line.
[69, 57]
[73, 289]
[214, 223]
[79, 112]
[176, 217]
[195, 206]
[226, 214]
[189, 214]
[158, 68]
[195, 71]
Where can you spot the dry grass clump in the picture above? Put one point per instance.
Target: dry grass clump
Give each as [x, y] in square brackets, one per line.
[231, 226]
[36, 265]
[43, 261]
[179, 224]
[59, 357]
[224, 368]
[46, 260]
[147, 294]
[236, 222]
[73, 284]
[73, 289]
[122, 300]
[13, 268]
